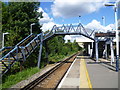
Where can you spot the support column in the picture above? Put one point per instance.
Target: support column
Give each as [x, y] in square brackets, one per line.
[89, 49]
[96, 50]
[23, 58]
[46, 52]
[21, 65]
[112, 52]
[93, 50]
[106, 51]
[40, 51]
[23, 53]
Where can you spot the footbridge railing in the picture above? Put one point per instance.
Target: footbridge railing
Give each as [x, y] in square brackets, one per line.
[70, 30]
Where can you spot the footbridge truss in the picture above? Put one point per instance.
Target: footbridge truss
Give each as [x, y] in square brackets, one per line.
[19, 53]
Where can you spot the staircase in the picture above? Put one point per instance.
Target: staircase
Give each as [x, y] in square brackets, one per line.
[19, 53]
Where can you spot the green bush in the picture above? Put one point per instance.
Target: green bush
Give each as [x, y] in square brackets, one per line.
[15, 78]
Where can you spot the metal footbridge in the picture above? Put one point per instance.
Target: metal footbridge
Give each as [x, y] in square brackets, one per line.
[20, 52]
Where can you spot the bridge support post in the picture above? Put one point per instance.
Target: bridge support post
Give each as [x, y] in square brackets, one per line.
[23, 53]
[46, 51]
[112, 52]
[106, 51]
[40, 51]
[23, 59]
[96, 50]
[91, 48]
[21, 65]
[89, 51]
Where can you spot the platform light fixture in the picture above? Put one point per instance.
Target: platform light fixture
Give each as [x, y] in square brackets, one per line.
[31, 27]
[3, 40]
[117, 34]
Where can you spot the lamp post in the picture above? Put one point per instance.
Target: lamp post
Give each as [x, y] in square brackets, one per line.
[117, 35]
[103, 20]
[79, 19]
[4, 39]
[31, 27]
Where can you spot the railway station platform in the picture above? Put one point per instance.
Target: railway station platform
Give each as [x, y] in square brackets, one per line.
[86, 73]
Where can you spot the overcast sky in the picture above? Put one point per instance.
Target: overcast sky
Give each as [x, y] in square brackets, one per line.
[67, 12]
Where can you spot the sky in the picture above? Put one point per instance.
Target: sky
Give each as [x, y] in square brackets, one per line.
[61, 12]
[71, 14]
[119, 15]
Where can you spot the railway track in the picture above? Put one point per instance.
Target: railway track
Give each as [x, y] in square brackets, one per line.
[52, 78]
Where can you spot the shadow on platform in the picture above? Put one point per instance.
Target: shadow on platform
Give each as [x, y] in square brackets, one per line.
[105, 64]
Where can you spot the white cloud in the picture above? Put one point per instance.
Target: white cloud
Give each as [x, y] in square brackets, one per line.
[47, 26]
[119, 22]
[110, 27]
[94, 24]
[74, 8]
[45, 18]
[46, 21]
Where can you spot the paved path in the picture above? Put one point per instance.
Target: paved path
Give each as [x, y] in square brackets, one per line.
[86, 73]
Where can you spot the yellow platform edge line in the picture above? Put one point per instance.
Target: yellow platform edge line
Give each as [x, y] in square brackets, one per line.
[87, 74]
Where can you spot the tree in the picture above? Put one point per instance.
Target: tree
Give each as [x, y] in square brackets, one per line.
[0, 24]
[55, 45]
[58, 49]
[16, 19]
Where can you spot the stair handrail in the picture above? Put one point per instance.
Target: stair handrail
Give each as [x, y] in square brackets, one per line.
[24, 39]
[9, 53]
[32, 40]
[2, 49]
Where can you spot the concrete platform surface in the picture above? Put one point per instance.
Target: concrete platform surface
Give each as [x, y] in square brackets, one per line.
[86, 73]
[71, 79]
[102, 75]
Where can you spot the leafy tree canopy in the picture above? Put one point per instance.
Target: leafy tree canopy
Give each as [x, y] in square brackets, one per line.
[16, 19]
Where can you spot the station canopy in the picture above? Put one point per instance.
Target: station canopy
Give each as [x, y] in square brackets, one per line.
[83, 39]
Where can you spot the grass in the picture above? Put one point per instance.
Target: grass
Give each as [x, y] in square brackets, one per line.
[15, 78]
[57, 58]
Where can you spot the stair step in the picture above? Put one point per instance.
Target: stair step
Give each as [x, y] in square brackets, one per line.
[2, 70]
[19, 55]
[6, 63]
[8, 58]
[3, 67]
